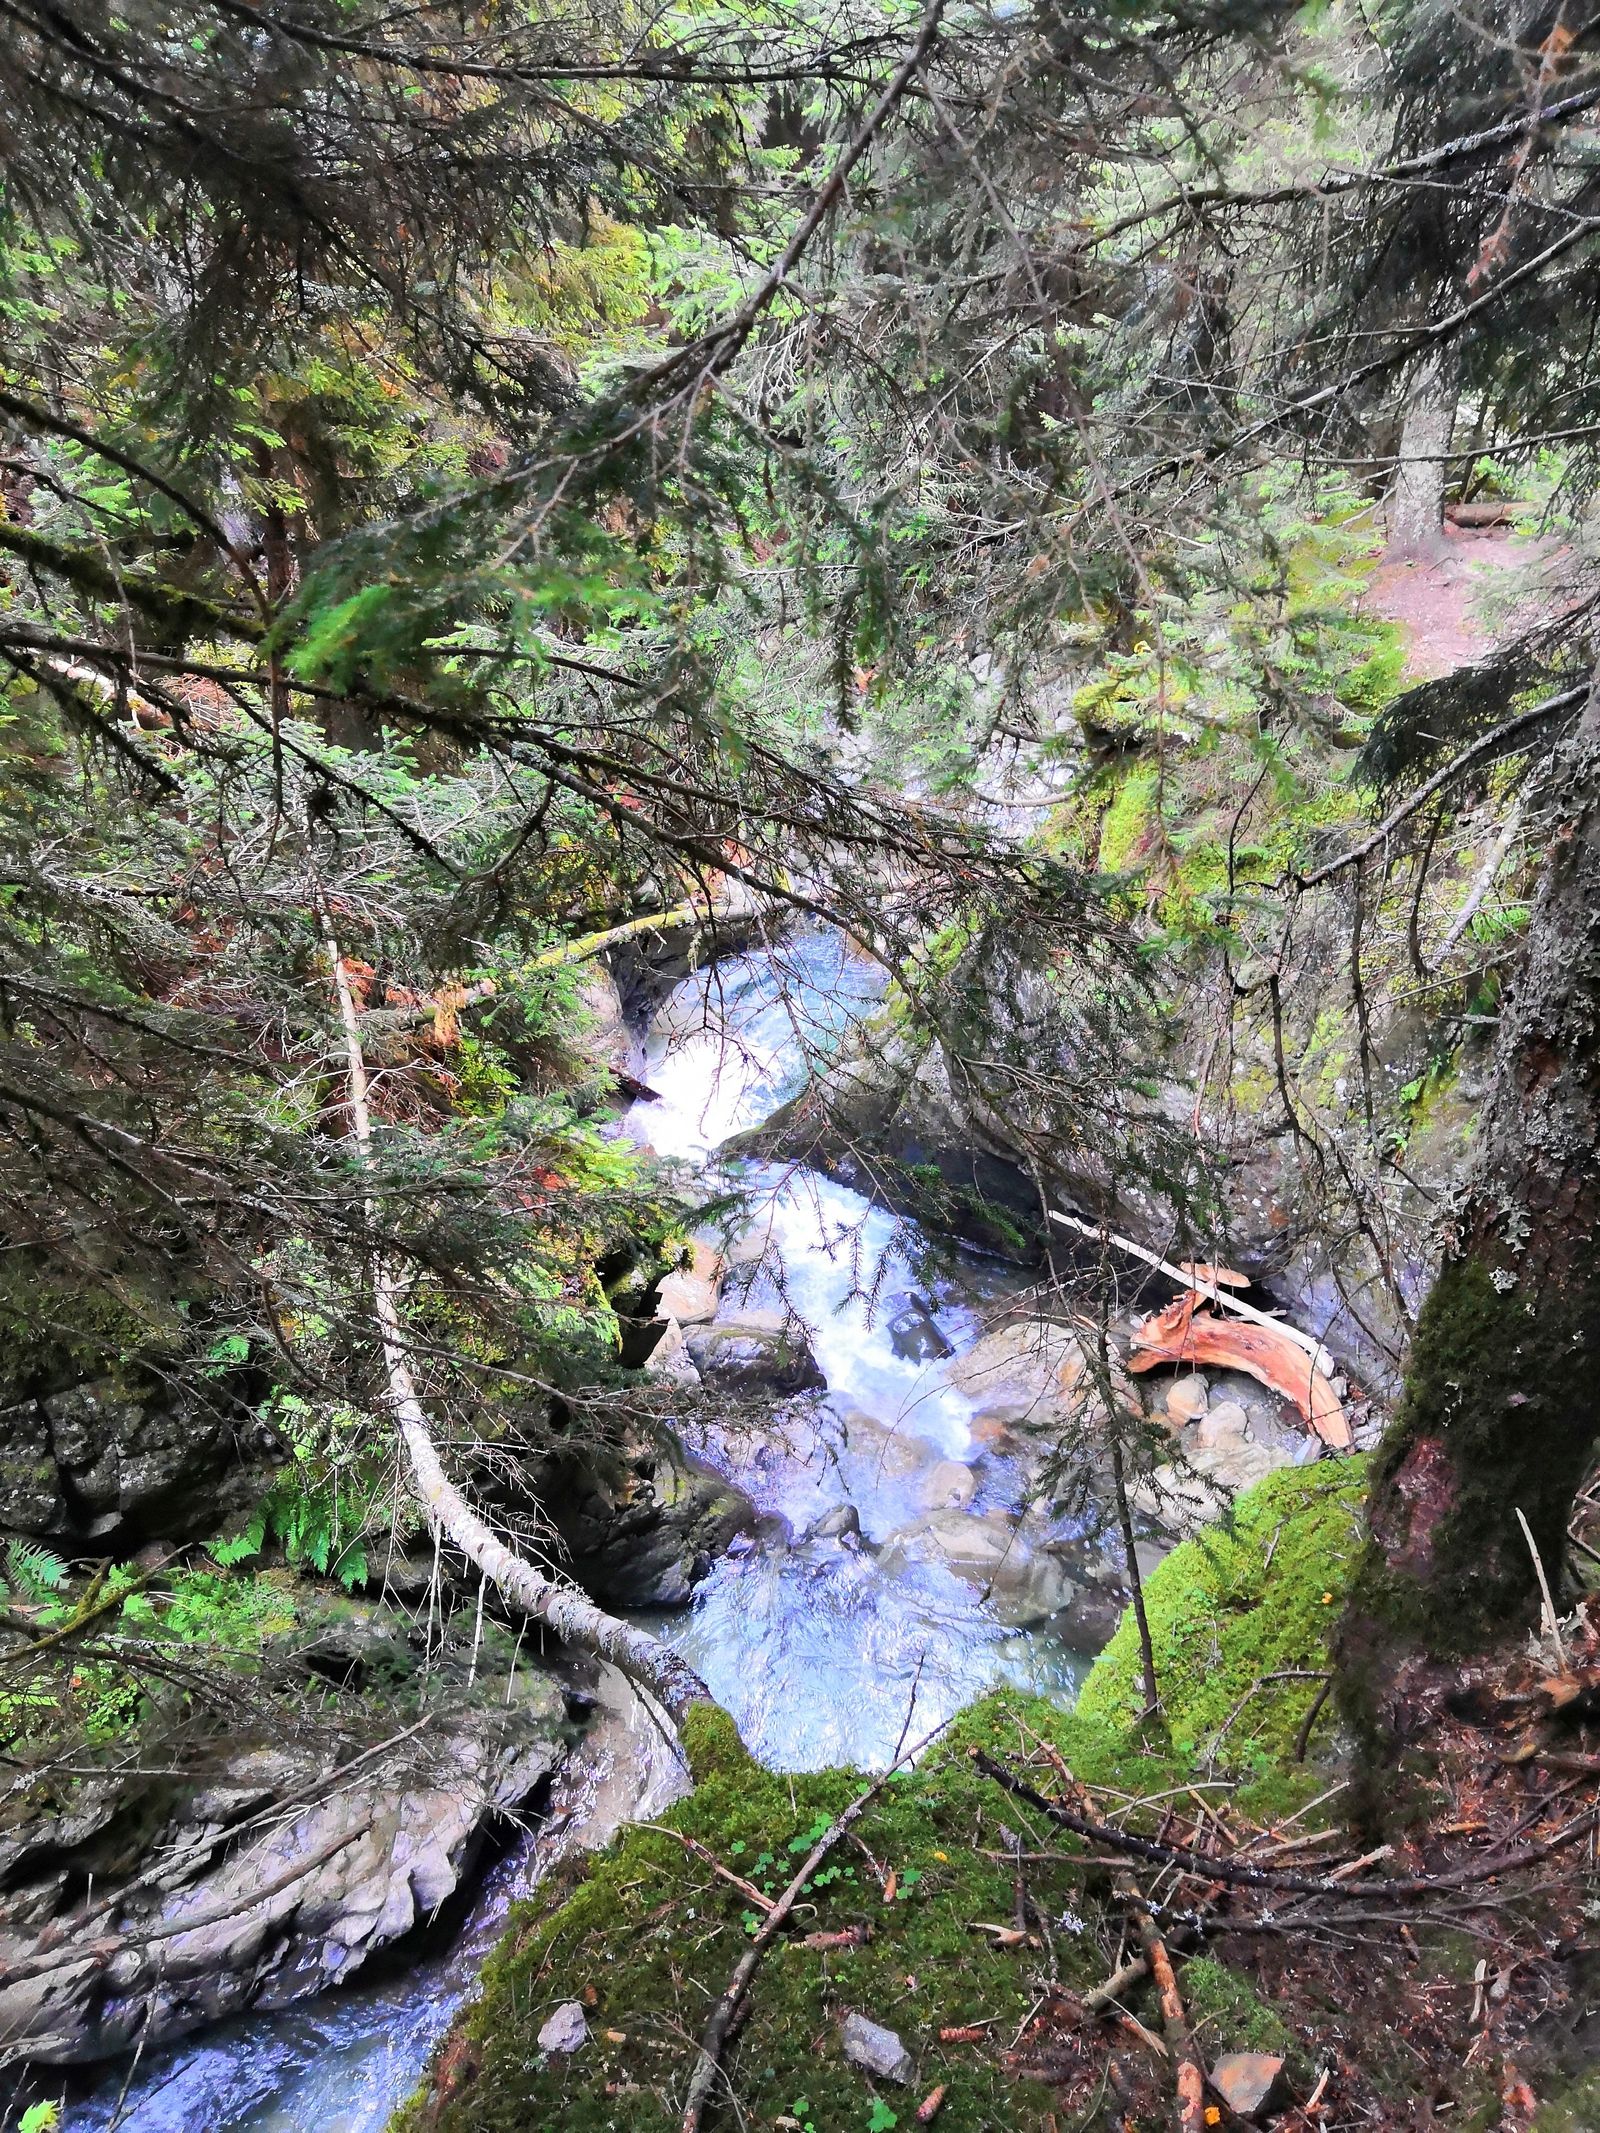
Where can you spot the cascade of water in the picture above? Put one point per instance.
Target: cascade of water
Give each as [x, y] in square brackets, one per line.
[820, 1648]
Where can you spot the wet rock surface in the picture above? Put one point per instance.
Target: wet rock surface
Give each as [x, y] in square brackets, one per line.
[757, 1351]
[137, 1907]
[641, 1530]
[109, 1465]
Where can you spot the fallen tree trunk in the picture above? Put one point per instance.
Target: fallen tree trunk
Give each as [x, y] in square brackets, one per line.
[645, 1660]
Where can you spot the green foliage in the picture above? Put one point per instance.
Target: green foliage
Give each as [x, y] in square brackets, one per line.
[1223, 1617]
[223, 1613]
[40, 2118]
[33, 1572]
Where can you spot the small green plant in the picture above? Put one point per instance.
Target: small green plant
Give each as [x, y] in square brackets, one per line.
[33, 1573]
[881, 2118]
[40, 2118]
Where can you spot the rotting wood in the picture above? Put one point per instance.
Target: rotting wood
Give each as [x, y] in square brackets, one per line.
[1189, 2107]
[1212, 1282]
[1184, 1334]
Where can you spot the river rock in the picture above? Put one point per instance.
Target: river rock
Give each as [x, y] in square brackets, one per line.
[606, 1035]
[670, 1359]
[691, 1293]
[869, 2045]
[1180, 1501]
[279, 1875]
[1188, 1398]
[760, 1350]
[874, 1452]
[1026, 1373]
[949, 1486]
[1026, 1580]
[640, 1529]
[915, 1335]
[842, 1523]
[567, 2030]
[1225, 1424]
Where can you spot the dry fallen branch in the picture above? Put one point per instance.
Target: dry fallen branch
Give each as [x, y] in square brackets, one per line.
[1212, 1866]
[719, 2028]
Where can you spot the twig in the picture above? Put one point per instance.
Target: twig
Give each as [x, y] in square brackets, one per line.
[1302, 1739]
[1189, 2114]
[726, 2011]
[758, 1897]
[1213, 1868]
[1544, 1588]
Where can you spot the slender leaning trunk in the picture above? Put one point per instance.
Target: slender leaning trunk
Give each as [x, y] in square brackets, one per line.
[1501, 1407]
[1415, 511]
[645, 1660]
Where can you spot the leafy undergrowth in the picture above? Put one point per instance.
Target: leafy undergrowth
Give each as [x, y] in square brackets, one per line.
[1236, 1614]
[961, 1913]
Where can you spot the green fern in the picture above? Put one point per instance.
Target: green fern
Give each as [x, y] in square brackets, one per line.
[32, 1572]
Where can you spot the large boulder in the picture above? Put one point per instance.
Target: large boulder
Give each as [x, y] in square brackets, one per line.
[273, 1874]
[1028, 1373]
[103, 1465]
[641, 1530]
[691, 1293]
[759, 1351]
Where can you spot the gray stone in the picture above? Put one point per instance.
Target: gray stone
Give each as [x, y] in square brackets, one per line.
[1226, 1423]
[115, 1465]
[842, 1523]
[915, 1336]
[1026, 1373]
[277, 1879]
[1188, 1398]
[751, 1352]
[868, 2044]
[639, 1531]
[670, 1359]
[1247, 2081]
[567, 2030]
[1026, 1582]
[950, 1486]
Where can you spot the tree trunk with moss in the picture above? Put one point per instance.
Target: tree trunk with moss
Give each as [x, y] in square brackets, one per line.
[1501, 1408]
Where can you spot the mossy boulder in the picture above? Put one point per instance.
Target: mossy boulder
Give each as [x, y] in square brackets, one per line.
[650, 1936]
[1254, 1597]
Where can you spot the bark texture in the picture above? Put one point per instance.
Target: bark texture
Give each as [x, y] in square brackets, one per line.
[1415, 514]
[1502, 1402]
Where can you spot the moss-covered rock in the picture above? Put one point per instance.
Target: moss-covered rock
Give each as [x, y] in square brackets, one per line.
[650, 1937]
[1252, 1598]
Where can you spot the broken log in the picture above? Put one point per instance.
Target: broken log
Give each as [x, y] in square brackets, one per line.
[1185, 1334]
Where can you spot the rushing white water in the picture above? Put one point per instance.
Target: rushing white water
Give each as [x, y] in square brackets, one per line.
[824, 1651]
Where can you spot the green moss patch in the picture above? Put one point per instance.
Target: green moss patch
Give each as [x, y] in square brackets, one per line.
[650, 1937]
[1240, 1603]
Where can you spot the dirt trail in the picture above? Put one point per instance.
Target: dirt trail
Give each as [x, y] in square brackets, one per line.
[1447, 604]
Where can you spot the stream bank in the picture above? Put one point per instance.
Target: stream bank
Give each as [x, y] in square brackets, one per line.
[867, 1529]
